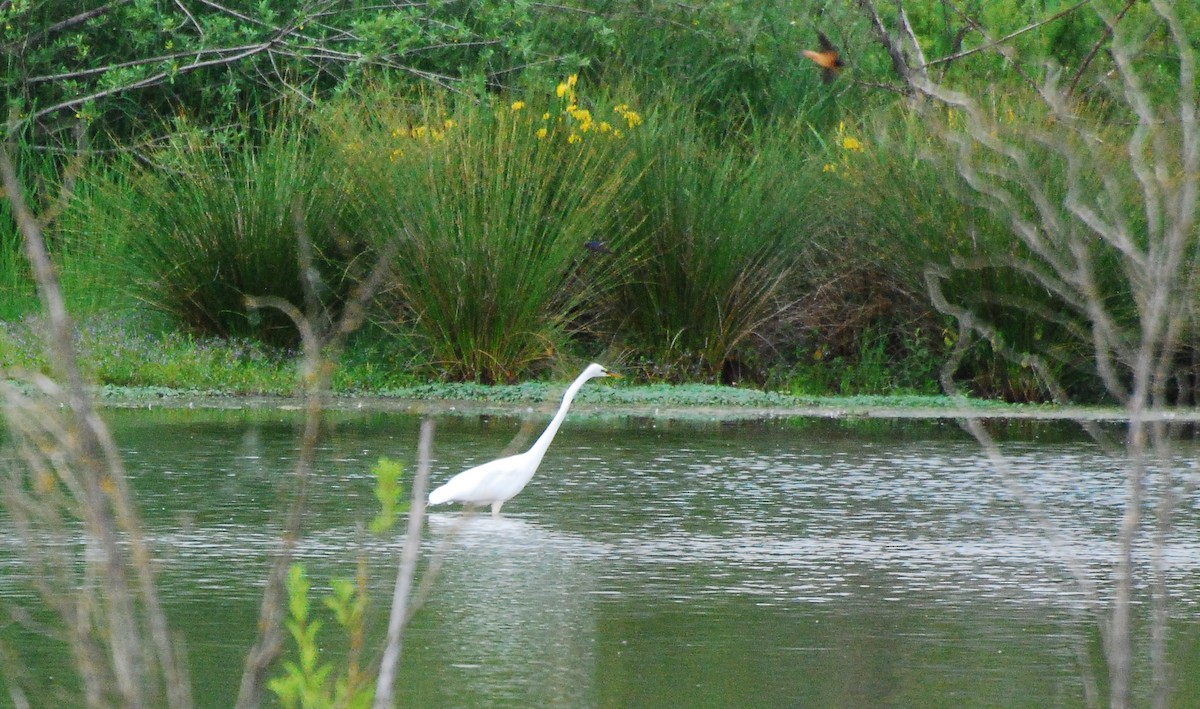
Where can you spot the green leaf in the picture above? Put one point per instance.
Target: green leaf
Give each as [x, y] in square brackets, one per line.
[389, 492]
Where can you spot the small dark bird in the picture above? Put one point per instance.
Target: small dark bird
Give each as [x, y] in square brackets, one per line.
[598, 246]
[827, 58]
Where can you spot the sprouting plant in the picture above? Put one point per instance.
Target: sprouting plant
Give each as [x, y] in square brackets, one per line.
[389, 492]
[308, 683]
[304, 683]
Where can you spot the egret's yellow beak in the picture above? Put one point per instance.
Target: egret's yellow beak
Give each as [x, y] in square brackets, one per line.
[614, 375]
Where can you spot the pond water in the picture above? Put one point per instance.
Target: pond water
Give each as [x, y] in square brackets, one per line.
[656, 563]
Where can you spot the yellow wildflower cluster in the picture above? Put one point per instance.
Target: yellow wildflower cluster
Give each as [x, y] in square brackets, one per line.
[578, 121]
[422, 132]
[849, 145]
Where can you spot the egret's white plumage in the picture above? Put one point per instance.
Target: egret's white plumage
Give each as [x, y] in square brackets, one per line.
[495, 482]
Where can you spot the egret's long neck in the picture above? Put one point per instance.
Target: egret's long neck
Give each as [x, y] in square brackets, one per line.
[543, 442]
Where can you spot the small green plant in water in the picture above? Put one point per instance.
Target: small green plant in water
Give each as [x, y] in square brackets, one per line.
[305, 683]
[389, 492]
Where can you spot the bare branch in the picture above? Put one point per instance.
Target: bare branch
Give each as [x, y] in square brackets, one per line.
[105, 502]
[96, 71]
[20, 47]
[155, 79]
[385, 686]
[322, 343]
[1104, 39]
[992, 44]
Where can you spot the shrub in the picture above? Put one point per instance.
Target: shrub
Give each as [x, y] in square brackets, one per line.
[208, 227]
[723, 229]
[489, 207]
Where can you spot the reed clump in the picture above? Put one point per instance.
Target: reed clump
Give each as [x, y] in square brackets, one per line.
[209, 225]
[490, 209]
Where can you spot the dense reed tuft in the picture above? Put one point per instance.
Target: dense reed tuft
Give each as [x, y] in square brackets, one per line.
[209, 226]
[490, 207]
[723, 229]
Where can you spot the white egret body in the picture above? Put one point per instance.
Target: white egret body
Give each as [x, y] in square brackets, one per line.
[495, 482]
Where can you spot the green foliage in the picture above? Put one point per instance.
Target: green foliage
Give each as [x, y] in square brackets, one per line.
[736, 63]
[16, 288]
[390, 492]
[880, 366]
[42, 175]
[723, 230]
[489, 207]
[746, 167]
[305, 682]
[126, 67]
[209, 227]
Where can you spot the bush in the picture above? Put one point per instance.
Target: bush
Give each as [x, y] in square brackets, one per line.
[489, 208]
[208, 227]
[723, 228]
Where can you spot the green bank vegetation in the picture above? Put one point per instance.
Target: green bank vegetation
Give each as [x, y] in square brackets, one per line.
[670, 189]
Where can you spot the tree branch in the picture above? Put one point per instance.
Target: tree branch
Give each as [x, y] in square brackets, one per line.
[992, 44]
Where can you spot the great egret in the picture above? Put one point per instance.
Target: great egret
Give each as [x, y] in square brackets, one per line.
[498, 481]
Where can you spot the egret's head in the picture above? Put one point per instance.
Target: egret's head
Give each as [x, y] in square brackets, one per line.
[595, 370]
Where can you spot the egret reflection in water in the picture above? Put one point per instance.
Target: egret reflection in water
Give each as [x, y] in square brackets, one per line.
[513, 589]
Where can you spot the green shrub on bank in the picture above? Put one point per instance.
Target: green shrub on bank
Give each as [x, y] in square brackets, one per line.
[489, 208]
[207, 227]
[723, 228]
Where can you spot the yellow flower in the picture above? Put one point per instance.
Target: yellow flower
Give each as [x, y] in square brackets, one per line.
[541, 133]
[562, 89]
[518, 105]
[583, 116]
[396, 154]
[574, 138]
[546, 116]
[572, 79]
[829, 167]
[605, 126]
[419, 131]
[633, 119]
[850, 143]
[397, 132]
[449, 123]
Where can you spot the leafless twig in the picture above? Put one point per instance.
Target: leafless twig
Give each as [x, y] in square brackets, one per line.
[118, 558]
[1070, 224]
[322, 339]
[385, 686]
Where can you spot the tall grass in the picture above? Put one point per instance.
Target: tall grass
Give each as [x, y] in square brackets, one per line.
[16, 288]
[42, 175]
[906, 211]
[724, 228]
[209, 226]
[492, 206]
